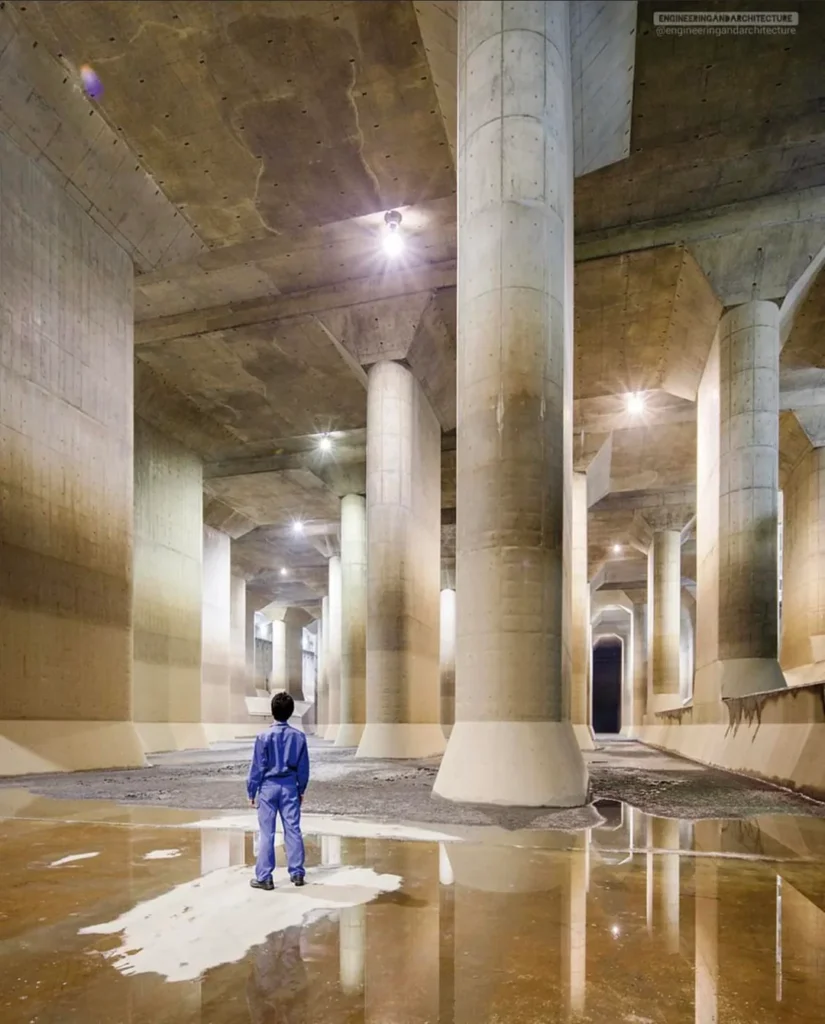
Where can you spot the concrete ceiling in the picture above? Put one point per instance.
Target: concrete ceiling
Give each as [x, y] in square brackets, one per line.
[716, 120]
[259, 145]
[207, 94]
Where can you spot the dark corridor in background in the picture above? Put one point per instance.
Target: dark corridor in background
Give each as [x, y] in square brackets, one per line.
[607, 686]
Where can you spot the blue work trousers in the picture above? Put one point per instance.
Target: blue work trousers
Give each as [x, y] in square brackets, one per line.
[279, 797]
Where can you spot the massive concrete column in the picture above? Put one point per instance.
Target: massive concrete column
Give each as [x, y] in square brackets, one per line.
[580, 642]
[322, 691]
[404, 530]
[664, 623]
[639, 628]
[333, 675]
[353, 620]
[295, 620]
[256, 671]
[66, 521]
[237, 645]
[514, 409]
[447, 660]
[686, 645]
[748, 497]
[166, 686]
[216, 674]
[737, 508]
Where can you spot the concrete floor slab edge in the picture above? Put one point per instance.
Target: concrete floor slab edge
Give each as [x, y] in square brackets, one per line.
[402, 740]
[537, 764]
[33, 747]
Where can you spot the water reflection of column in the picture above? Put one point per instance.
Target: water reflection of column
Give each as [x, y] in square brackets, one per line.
[666, 837]
[446, 928]
[649, 875]
[512, 914]
[352, 948]
[331, 851]
[707, 923]
[574, 940]
[222, 848]
[403, 948]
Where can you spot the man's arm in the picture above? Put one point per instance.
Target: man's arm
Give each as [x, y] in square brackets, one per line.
[303, 768]
[256, 769]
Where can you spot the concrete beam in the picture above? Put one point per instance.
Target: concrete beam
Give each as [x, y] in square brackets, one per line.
[295, 304]
[733, 218]
[349, 451]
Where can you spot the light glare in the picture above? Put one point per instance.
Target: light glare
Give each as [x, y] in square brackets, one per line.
[393, 243]
[284, 571]
[617, 549]
[635, 403]
[325, 444]
[297, 526]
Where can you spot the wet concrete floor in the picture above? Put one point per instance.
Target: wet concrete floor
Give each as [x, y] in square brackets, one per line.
[144, 914]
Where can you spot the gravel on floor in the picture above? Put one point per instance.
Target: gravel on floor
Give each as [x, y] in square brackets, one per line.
[392, 791]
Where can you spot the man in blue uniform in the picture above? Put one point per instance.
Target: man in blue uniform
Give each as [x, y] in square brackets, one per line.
[278, 778]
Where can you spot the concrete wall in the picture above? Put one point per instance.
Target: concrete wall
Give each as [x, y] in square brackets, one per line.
[803, 598]
[168, 483]
[778, 736]
[66, 467]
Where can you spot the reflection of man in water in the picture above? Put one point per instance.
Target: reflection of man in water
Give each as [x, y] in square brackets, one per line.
[277, 989]
[278, 777]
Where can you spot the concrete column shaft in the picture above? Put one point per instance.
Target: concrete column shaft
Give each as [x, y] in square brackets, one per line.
[447, 659]
[580, 650]
[749, 481]
[353, 620]
[294, 657]
[333, 650]
[404, 579]
[664, 601]
[514, 448]
[639, 665]
[322, 690]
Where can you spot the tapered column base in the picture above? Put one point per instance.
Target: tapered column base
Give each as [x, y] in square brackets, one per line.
[516, 764]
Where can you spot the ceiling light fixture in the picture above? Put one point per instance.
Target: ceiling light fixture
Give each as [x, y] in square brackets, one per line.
[325, 444]
[635, 402]
[298, 526]
[285, 571]
[393, 240]
[617, 549]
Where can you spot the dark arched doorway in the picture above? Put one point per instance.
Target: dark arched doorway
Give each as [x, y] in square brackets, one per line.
[607, 685]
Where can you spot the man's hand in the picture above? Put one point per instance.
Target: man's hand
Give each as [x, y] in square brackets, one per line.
[251, 803]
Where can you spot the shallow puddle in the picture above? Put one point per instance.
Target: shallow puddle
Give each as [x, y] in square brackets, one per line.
[145, 915]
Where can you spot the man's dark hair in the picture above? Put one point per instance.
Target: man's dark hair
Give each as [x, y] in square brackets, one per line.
[282, 707]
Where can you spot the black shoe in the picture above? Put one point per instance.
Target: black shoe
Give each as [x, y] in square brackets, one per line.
[297, 879]
[267, 886]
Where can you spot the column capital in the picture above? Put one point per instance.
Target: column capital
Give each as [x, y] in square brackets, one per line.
[663, 518]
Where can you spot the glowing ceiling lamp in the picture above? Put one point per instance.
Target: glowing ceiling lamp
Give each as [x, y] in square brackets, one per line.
[285, 571]
[298, 527]
[325, 444]
[617, 549]
[393, 239]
